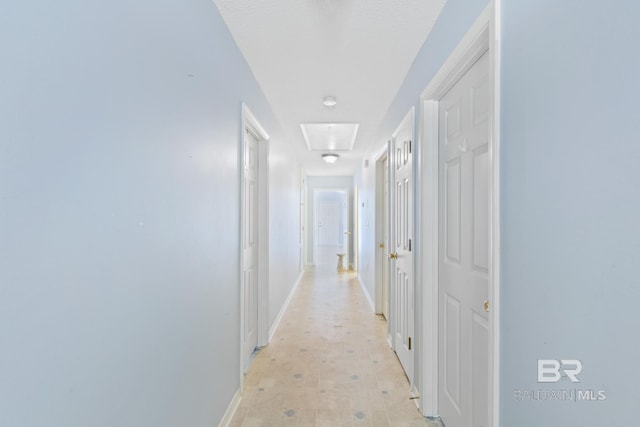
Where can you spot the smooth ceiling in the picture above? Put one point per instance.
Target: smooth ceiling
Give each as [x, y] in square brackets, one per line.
[356, 50]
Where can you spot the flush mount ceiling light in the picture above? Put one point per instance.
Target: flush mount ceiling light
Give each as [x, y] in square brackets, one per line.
[330, 158]
[329, 101]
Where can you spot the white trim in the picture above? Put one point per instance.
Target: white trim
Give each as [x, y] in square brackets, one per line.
[478, 39]
[251, 124]
[428, 250]
[415, 396]
[473, 44]
[379, 226]
[494, 349]
[231, 410]
[355, 224]
[303, 215]
[278, 319]
[263, 243]
[384, 149]
[366, 294]
[248, 119]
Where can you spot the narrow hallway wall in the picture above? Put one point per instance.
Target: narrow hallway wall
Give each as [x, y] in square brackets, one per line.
[284, 225]
[119, 212]
[569, 200]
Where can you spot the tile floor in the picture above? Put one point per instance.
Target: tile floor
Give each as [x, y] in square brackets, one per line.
[328, 364]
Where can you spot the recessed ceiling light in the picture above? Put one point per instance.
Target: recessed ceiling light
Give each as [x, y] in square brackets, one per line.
[329, 101]
[330, 158]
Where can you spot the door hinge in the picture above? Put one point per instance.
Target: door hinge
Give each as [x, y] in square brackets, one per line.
[409, 343]
[409, 146]
[409, 245]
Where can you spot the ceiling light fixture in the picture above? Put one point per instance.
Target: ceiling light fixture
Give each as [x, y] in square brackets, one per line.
[330, 158]
[329, 101]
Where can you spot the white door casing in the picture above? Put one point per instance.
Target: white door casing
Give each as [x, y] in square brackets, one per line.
[303, 218]
[401, 251]
[250, 245]
[464, 249]
[353, 236]
[481, 37]
[385, 237]
[254, 238]
[382, 233]
[346, 226]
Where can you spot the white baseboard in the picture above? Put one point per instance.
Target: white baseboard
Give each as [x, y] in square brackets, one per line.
[415, 396]
[276, 322]
[237, 398]
[231, 410]
[366, 294]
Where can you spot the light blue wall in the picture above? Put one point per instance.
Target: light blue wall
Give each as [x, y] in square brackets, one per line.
[285, 250]
[119, 212]
[570, 203]
[454, 20]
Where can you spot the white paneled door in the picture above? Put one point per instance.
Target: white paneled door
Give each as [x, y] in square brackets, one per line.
[464, 249]
[250, 247]
[401, 251]
[329, 223]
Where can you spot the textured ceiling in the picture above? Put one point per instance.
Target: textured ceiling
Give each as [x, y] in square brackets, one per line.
[356, 50]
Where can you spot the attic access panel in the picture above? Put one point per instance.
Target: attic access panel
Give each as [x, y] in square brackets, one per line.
[330, 136]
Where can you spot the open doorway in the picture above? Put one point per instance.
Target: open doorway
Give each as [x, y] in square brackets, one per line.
[331, 228]
[382, 235]
[355, 234]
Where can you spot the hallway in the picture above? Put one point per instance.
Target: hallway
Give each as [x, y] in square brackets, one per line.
[136, 135]
[328, 363]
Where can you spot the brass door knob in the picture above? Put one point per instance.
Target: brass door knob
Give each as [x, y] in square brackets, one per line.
[381, 245]
[393, 255]
[486, 306]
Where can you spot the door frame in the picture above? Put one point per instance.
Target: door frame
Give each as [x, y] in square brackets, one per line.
[482, 37]
[346, 223]
[250, 123]
[381, 203]
[303, 220]
[355, 227]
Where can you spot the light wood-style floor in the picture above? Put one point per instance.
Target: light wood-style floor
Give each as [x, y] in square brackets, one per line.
[328, 364]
